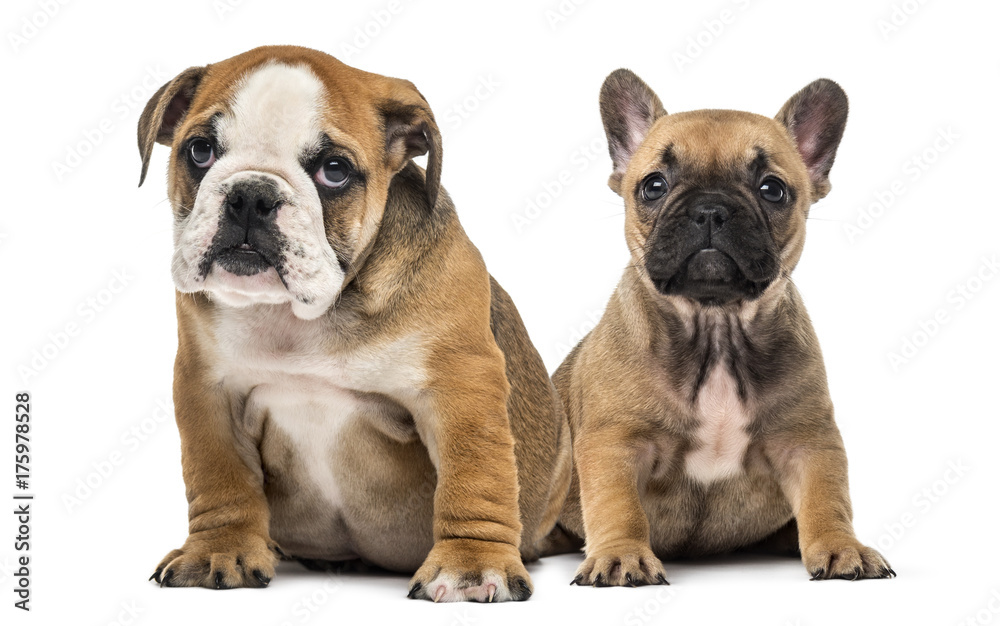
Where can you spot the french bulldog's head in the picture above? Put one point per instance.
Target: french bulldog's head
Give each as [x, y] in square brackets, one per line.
[716, 201]
[281, 164]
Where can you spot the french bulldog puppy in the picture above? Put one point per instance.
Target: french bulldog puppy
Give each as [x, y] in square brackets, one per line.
[699, 407]
[350, 382]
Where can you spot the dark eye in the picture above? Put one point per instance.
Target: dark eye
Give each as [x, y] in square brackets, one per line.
[201, 152]
[772, 190]
[654, 187]
[333, 173]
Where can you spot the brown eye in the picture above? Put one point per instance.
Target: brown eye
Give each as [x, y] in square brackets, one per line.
[772, 190]
[201, 152]
[654, 187]
[334, 173]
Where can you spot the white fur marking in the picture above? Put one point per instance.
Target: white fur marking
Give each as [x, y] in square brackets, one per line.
[312, 419]
[721, 437]
[447, 587]
[274, 117]
[267, 344]
[288, 371]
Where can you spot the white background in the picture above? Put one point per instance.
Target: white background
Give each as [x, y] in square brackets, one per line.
[64, 235]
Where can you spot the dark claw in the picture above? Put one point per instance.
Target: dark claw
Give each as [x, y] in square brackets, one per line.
[218, 580]
[259, 575]
[156, 575]
[628, 579]
[520, 589]
[577, 581]
[640, 581]
[857, 573]
[818, 574]
[414, 590]
[167, 576]
[599, 581]
[662, 579]
[891, 572]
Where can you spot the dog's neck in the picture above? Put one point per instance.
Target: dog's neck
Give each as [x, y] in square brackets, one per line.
[381, 273]
[753, 340]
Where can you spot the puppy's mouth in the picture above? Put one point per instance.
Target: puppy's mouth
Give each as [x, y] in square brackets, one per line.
[243, 251]
[711, 277]
[242, 260]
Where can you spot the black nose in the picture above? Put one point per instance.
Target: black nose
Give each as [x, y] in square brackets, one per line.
[253, 199]
[711, 216]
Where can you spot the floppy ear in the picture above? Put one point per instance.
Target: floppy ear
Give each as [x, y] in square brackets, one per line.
[816, 117]
[628, 108]
[410, 131]
[164, 112]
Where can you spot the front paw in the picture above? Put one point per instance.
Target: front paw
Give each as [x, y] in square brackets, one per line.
[632, 566]
[840, 555]
[470, 570]
[222, 558]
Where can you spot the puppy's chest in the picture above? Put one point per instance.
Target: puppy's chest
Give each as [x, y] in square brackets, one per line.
[270, 346]
[718, 437]
[310, 389]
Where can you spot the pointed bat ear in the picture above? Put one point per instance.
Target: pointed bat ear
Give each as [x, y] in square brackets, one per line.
[816, 117]
[164, 112]
[628, 108]
[410, 131]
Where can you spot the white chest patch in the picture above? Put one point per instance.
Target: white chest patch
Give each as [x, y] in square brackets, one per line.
[268, 344]
[286, 370]
[313, 421]
[721, 438]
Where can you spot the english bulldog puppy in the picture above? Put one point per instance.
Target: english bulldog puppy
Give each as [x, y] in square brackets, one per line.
[350, 382]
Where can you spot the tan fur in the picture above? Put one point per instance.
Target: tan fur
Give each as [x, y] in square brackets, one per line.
[635, 419]
[456, 472]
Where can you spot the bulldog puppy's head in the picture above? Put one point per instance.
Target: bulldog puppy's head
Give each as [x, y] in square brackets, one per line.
[281, 164]
[716, 201]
